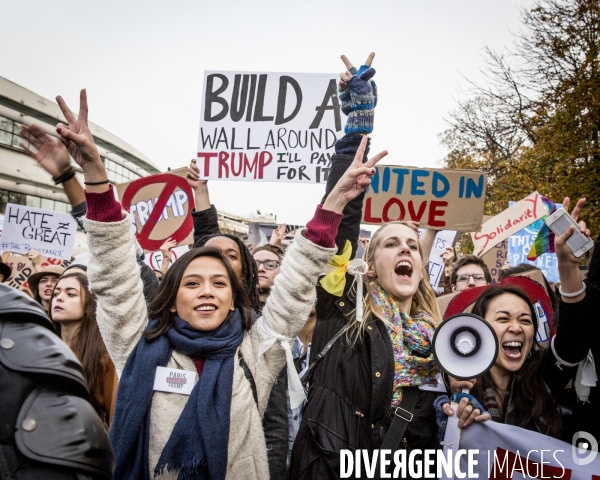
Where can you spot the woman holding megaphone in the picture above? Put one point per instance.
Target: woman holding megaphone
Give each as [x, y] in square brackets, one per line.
[524, 383]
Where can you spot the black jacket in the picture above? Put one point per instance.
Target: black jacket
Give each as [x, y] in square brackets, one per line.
[351, 392]
[48, 429]
[573, 344]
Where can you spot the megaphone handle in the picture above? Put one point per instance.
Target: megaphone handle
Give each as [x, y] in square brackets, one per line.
[465, 390]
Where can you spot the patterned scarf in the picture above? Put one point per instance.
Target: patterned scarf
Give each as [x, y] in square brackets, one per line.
[411, 340]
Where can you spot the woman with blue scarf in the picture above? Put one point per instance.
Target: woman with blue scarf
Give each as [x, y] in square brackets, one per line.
[195, 371]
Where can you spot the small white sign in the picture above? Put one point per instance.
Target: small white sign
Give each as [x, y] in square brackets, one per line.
[443, 239]
[174, 381]
[154, 259]
[29, 228]
[437, 385]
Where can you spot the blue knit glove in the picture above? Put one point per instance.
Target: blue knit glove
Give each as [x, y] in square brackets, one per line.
[359, 98]
[440, 416]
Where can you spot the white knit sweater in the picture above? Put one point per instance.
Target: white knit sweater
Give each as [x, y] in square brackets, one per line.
[122, 317]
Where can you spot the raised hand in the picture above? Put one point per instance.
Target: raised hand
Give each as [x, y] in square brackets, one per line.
[35, 257]
[278, 235]
[563, 253]
[48, 151]
[77, 136]
[354, 181]
[358, 96]
[350, 69]
[193, 176]
[166, 248]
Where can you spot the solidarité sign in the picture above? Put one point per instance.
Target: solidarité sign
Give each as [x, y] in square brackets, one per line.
[440, 199]
[266, 126]
[160, 207]
[508, 222]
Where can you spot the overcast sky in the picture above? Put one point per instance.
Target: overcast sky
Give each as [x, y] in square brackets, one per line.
[142, 63]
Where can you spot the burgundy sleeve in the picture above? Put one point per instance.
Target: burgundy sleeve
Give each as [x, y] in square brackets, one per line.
[323, 227]
[103, 207]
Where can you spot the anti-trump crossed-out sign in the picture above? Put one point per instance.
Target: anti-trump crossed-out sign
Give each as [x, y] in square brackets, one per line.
[160, 207]
[265, 126]
[440, 199]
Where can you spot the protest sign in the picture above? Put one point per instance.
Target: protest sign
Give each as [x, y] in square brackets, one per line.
[82, 258]
[443, 239]
[503, 452]
[154, 259]
[510, 221]
[519, 245]
[273, 127]
[22, 269]
[436, 198]
[494, 258]
[160, 207]
[29, 228]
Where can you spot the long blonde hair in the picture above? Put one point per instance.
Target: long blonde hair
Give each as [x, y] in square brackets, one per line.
[423, 299]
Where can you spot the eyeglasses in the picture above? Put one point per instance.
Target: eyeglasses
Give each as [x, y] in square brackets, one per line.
[269, 264]
[476, 278]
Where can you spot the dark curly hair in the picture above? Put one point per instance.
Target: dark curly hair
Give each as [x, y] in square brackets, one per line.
[249, 270]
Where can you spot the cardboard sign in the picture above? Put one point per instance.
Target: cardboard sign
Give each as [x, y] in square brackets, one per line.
[270, 127]
[161, 207]
[154, 260]
[510, 221]
[494, 259]
[29, 228]
[22, 269]
[436, 198]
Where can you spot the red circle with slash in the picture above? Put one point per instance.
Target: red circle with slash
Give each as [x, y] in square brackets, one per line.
[172, 182]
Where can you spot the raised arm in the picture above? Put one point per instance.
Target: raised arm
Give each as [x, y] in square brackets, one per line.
[358, 95]
[576, 314]
[293, 293]
[113, 271]
[206, 221]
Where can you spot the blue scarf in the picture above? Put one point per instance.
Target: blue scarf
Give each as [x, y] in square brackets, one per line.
[198, 444]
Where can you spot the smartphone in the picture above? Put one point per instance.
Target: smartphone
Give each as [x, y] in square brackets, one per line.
[559, 222]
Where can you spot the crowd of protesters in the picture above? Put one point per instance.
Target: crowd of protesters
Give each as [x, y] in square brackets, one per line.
[290, 365]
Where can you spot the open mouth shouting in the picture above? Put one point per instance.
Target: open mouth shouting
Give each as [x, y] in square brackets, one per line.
[513, 349]
[403, 269]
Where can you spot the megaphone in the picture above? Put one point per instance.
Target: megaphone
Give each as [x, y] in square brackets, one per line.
[465, 346]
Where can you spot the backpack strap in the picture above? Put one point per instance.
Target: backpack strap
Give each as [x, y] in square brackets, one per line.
[403, 415]
[310, 371]
[249, 376]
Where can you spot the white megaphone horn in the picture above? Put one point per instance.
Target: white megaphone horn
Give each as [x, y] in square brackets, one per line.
[465, 346]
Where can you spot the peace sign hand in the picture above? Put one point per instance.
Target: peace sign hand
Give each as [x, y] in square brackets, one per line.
[354, 181]
[351, 69]
[77, 136]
